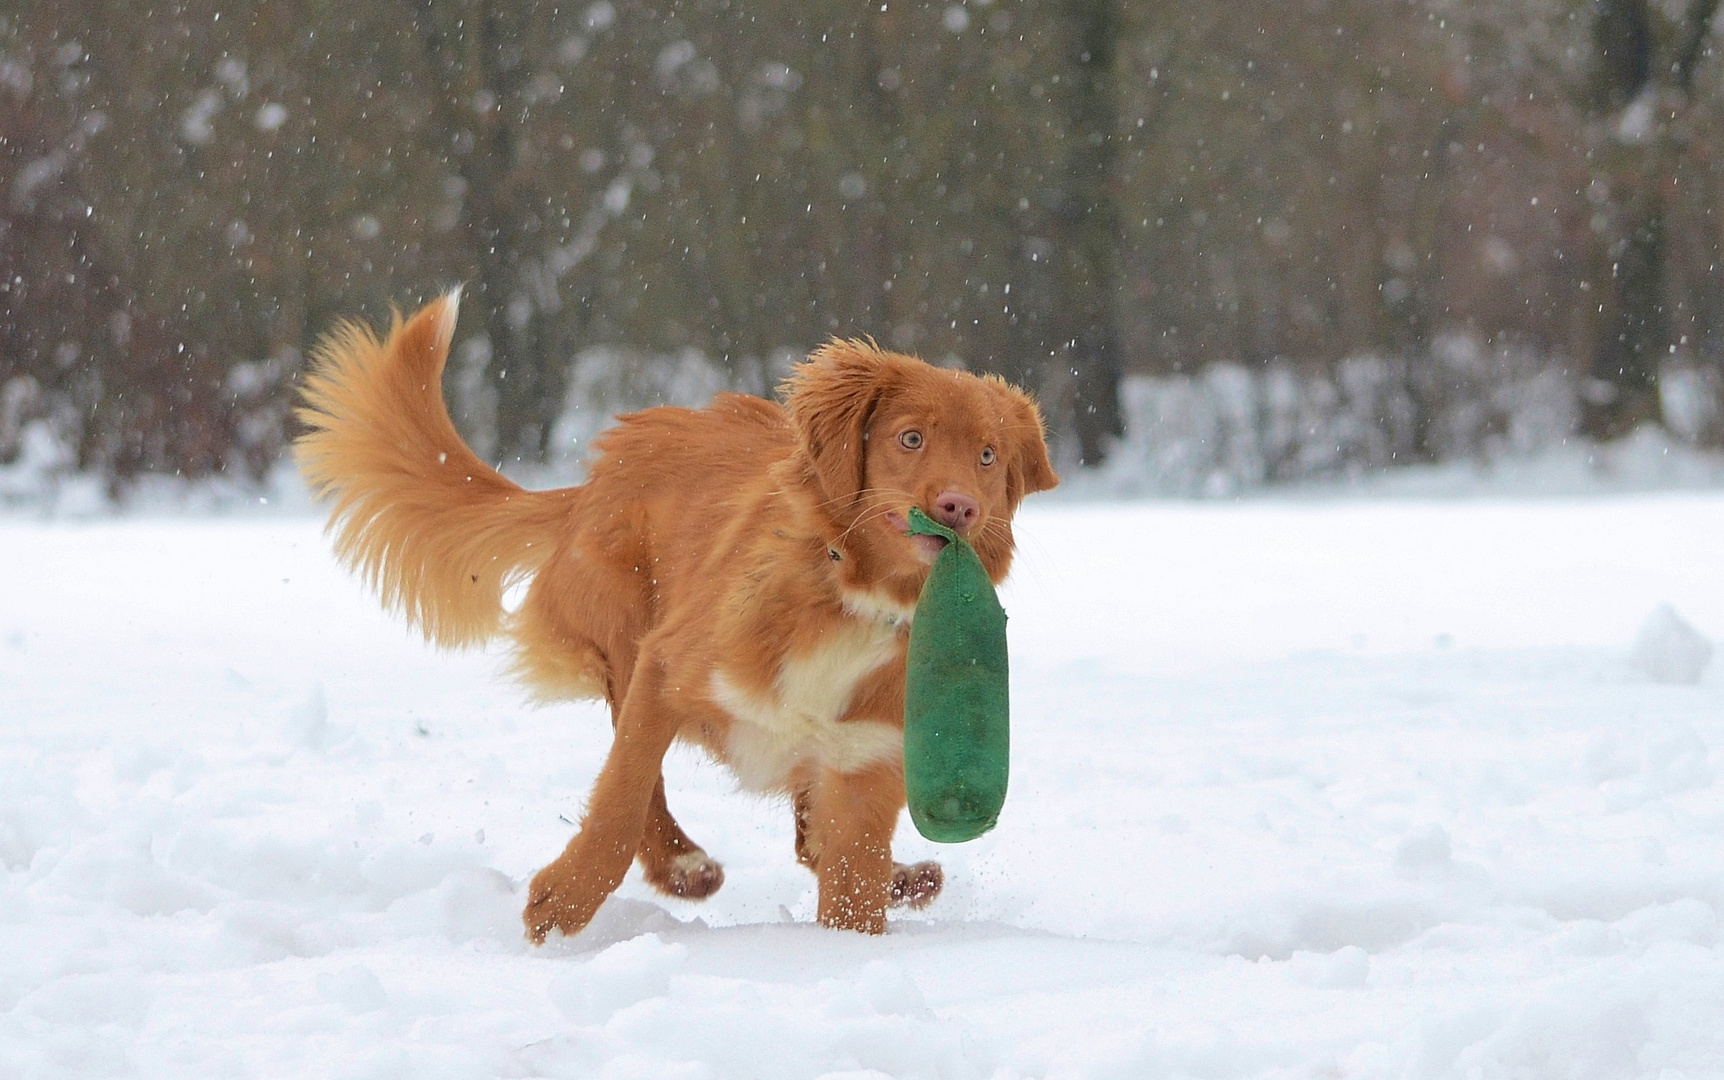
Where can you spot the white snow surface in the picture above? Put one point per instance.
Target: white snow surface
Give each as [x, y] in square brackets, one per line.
[1301, 788]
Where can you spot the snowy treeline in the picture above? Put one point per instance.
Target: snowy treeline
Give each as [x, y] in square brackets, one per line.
[1226, 431]
[1231, 428]
[1234, 202]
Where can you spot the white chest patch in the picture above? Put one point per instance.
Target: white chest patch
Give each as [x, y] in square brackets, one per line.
[878, 606]
[798, 722]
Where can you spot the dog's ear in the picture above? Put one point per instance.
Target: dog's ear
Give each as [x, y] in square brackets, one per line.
[832, 397]
[1028, 469]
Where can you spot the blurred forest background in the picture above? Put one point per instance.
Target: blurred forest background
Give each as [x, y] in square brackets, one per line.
[1257, 241]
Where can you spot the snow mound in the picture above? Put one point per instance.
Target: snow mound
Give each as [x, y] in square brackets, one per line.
[1669, 650]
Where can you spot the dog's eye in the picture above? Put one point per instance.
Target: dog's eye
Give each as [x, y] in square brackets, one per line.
[987, 455]
[911, 440]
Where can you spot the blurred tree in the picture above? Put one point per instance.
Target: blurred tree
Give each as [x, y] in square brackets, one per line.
[480, 55]
[106, 252]
[1643, 79]
[1085, 221]
[1062, 192]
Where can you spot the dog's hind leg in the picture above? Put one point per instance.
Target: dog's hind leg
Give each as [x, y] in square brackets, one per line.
[915, 885]
[803, 805]
[671, 862]
[674, 864]
[564, 895]
[627, 797]
[569, 648]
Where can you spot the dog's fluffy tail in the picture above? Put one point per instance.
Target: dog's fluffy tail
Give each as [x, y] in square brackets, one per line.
[438, 533]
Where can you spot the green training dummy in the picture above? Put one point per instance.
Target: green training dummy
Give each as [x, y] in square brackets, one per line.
[956, 741]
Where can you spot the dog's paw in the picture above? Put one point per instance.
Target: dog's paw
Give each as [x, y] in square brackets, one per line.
[693, 875]
[916, 886]
[560, 900]
[547, 910]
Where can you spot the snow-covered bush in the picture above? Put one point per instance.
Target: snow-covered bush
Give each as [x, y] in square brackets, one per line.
[1230, 427]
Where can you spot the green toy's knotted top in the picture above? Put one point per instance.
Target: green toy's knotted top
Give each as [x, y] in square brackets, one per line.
[956, 712]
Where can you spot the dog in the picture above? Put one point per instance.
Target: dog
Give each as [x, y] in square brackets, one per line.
[738, 577]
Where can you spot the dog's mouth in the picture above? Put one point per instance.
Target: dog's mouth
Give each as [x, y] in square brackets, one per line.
[928, 548]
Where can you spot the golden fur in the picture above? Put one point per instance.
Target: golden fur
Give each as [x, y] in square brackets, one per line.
[736, 576]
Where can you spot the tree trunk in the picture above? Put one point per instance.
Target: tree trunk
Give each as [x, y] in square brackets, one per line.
[1639, 96]
[474, 53]
[1089, 233]
[1623, 391]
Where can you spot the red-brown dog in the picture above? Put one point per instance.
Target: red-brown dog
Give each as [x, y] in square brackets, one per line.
[738, 577]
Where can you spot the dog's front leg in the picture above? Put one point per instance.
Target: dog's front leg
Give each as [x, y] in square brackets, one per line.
[850, 818]
[913, 885]
[564, 895]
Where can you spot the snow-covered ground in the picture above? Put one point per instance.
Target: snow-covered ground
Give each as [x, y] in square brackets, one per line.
[1315, 787]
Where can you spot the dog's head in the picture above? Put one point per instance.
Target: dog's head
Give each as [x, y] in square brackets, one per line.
[881, 432]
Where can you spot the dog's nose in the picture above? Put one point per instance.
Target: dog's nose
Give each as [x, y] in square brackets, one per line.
[956, 511]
